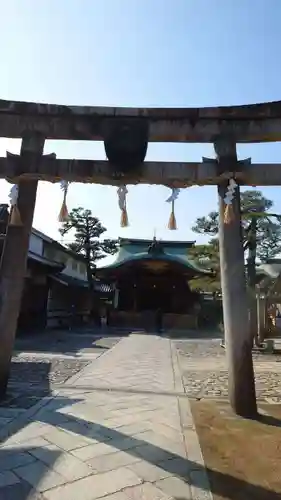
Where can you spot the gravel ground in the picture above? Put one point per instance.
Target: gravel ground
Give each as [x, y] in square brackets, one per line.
[66, 343]
[36, 370]
[204, 384]
[211, 348]
[32, 378]
[211, 380]
[34, 374]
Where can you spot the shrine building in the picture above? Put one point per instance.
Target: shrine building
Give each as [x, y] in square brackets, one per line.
[148, 276]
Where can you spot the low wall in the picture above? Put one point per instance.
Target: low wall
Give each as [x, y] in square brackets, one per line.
[61, 318]
[180, 321]
[147, 320]
[60, 313]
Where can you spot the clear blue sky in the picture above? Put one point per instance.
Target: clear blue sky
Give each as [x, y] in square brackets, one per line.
[140, 53]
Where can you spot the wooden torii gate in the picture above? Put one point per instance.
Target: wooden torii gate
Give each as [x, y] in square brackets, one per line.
[126, 133]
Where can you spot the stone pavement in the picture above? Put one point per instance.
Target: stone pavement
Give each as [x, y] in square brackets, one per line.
[121, 429]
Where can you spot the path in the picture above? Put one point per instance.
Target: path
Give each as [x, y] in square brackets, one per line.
[121, 429]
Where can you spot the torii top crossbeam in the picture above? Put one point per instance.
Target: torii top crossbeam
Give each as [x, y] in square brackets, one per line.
[248, 123]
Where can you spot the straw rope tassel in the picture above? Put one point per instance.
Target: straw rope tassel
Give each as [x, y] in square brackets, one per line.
[124, 218]
[63, 214]
[172, 224]
[228, 200]
[228, 214]
[15, 217]
[122, 193]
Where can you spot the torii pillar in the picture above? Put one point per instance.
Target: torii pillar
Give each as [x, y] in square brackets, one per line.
[14, 257]
[238, 341]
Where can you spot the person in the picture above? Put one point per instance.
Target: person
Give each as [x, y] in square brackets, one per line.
[104, 318]
[103, 321]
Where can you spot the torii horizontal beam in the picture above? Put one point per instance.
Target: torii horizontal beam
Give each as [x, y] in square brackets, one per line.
[174, 174]
[249, 123]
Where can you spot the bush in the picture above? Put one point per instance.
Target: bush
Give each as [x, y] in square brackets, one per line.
[210, 315]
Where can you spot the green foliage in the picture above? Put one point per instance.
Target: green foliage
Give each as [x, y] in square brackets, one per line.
[211, 314]
[207, 256]
[208, 224]
[254, 200]
[268, 239]
[253, 204]
[87, 231]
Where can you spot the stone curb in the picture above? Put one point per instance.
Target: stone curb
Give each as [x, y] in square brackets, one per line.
[192, 445]
[72, 380]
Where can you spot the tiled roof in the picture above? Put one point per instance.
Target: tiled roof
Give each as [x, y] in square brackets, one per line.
[43, 260]
[69, 280]
[167, 251]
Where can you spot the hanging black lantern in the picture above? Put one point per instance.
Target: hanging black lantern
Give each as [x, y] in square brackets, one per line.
[125, 142]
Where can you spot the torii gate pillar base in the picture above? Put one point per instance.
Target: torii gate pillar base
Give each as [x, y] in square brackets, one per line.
[13, 261]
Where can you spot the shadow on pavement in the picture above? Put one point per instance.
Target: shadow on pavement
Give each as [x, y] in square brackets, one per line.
[25, 482]
[67, 343]
[224, 485]
[192, 334]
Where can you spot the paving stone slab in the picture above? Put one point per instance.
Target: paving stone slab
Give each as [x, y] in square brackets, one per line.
[20, 491]
[175, 488]
[153, 454]
[5, 420]
[30, 430]
[9, 459]
[112, 461]
[40, 476]
[7, 478]
[175, 446]
[65, 464]
[119, 495]
[96, 486]
[66, 440]
[95, 450]
[149, 472]
[178, 467]
[145, 492]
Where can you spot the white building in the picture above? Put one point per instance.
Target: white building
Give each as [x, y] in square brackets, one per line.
[56, 287]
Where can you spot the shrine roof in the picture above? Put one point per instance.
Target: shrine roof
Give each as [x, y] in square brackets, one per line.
[137, 250]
